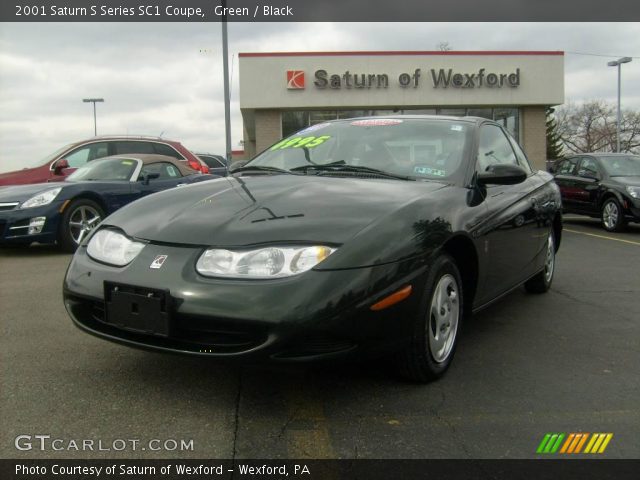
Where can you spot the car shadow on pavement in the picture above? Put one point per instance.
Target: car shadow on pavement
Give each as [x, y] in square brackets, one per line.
[35, 250]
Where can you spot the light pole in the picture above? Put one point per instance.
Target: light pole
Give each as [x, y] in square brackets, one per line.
[225, 72]
[94, 100]
[618, 63]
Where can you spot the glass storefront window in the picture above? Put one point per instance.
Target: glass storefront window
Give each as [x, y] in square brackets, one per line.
[508, 118]
[480, 112]
[454, 112]
[292, 121]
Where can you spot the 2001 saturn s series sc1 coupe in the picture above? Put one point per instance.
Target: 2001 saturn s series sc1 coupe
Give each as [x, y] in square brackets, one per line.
[362, 235]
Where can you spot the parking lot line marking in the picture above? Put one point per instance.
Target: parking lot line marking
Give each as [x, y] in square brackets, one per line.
[307, 432]
[601, 236]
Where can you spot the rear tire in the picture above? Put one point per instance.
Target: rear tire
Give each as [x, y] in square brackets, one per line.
[612, 216]
[436, 324]
[542, 281]
[80, 217]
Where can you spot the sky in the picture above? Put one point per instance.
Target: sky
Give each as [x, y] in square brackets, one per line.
[166, 78]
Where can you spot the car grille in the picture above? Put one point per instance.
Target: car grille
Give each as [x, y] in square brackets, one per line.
[197, 333]
[8, 206]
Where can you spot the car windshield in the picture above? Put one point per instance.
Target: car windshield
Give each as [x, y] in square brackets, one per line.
[50, 157]
[413, 148]
[109, 169]
[622, 166]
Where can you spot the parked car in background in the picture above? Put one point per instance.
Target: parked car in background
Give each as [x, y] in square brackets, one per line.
[551, 164]
[360, 236]
[601, 185]
[64, 161]
[65, 212]
[216, 163]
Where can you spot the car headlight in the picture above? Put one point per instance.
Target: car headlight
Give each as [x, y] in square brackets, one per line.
[634, 191]
[44, 198]
[113, 247]
[267, 262]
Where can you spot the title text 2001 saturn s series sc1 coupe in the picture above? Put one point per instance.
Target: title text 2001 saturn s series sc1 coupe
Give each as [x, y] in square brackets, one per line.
[355, 236]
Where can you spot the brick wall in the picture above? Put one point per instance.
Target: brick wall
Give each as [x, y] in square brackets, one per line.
[534, 136]
[268, 128]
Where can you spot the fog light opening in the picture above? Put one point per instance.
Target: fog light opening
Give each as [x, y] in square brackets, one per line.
[392, 299]
[36, 224]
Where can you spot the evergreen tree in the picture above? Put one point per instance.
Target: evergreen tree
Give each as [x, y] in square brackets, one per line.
[554, 145]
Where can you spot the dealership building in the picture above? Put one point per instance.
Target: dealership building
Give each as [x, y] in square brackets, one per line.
[287, 91]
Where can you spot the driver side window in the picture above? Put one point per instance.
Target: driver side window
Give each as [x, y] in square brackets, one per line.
[84, 154]
[165, 170]
[494, 148]
[588, 168]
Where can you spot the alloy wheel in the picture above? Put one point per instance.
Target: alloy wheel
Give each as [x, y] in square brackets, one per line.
[83, 219]
[550, 261]
[610, 215]
[444, 315]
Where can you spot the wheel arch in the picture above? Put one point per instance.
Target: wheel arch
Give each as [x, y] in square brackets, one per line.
[89, 196]
[610, 194]
[462, 249]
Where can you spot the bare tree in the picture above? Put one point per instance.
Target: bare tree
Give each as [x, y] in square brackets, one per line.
[591, 127]
[444, 46]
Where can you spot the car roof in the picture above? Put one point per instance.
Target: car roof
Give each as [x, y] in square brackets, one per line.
[147, 138]
[603, 154]
[150, 158]
[467, 119]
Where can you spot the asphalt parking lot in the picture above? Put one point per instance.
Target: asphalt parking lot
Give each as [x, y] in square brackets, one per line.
[567, 361]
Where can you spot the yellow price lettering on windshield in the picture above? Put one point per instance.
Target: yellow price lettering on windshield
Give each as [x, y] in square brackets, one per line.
[299, 142]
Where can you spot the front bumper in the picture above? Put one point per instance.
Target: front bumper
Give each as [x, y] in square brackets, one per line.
[14, 225]
[319, 314]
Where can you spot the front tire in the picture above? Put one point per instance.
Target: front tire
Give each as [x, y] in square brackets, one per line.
[436, 324]
[80, 217]
[612, 216]
[541, 283]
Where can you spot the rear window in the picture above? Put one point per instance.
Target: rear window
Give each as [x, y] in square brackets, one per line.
[133, 147]
[163, 149]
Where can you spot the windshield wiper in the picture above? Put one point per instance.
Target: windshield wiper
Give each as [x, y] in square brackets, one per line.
[340, 166]
[261, 168]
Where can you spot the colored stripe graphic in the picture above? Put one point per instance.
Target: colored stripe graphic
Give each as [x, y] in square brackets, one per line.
[598, 443]
[553, 443]
[550, 443]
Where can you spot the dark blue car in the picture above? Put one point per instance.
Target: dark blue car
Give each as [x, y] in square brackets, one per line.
[64, 212]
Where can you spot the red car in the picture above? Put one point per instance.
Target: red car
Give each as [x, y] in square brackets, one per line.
[63, 162]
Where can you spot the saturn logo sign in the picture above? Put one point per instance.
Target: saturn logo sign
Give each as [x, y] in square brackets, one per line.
[158, 261]
[295, 79]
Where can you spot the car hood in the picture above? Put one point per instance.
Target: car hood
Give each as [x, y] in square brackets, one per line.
[20, 193]
[242, 211]
[15, 177]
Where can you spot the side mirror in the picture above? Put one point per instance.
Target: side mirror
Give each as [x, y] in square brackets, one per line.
[501, 174]
[59, 166]
[238, 164]
[149, 176]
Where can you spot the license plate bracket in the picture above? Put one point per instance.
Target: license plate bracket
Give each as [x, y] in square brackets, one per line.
[138, 309]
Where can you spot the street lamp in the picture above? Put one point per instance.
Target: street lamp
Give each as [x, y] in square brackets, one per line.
[618, 63]
[94, 100]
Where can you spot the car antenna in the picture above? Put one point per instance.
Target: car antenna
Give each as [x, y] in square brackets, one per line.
[161, 133]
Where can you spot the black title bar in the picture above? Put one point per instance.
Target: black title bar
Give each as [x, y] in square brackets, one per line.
[319, 11]
[547, 469]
